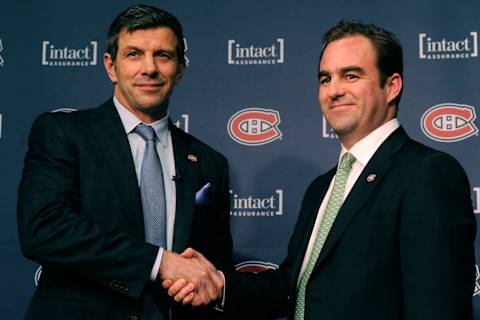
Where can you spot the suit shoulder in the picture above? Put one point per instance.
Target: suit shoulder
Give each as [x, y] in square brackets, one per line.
[423, 157]
[419, 152]
[63, 116]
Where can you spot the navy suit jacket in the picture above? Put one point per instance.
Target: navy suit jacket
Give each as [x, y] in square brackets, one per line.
[80, 217]
[401, 247]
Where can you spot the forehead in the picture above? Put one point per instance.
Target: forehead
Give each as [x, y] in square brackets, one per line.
[161, 36]
[355, 50]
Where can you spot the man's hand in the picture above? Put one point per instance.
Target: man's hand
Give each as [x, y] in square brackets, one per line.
[190, 278]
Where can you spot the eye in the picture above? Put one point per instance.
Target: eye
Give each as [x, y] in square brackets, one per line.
[351, 76]
[164, 54]
[132, 54]
[324, 80]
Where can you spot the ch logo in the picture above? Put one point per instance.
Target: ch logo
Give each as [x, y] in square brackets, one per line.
[449, 122]
[254, 126]
[255, 266]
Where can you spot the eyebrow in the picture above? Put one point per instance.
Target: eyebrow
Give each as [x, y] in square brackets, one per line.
[323, 73]
[131, 47]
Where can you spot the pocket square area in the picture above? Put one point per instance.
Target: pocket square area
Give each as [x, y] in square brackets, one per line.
[202, 196]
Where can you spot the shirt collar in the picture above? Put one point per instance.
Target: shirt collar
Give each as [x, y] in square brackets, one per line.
[130, 122]
[364, 149]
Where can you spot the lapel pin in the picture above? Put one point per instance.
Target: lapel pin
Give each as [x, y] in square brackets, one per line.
[192, 158]
[371, 177]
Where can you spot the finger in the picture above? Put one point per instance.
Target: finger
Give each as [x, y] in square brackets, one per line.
[188, 299]
[209, 292]
[176, 287]
[217, 280]
[167, 283]
[184, 292]
[197, 301]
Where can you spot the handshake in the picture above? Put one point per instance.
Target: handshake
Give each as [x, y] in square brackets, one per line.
[190, 278]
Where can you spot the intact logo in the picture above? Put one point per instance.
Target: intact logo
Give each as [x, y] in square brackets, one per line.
[476, 200]
[449, 122]
[184, 123]
[327, 131]
[256, 206]
[476, 292]
[254, 126]
[255, 266]
[187, 61]
[37, 276]
[430, 48]
[2, 62]
[255, 55]
[69, 57]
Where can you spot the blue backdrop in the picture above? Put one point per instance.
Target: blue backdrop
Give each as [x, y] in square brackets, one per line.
[250, 91]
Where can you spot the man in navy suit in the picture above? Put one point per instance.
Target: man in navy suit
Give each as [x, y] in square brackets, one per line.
[390, 233]
[81, 199]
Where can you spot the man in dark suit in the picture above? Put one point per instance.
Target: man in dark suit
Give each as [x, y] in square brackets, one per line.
[388, 234]
[101, 213]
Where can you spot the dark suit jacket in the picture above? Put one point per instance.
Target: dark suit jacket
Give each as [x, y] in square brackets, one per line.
[401, 246]
[80, 217]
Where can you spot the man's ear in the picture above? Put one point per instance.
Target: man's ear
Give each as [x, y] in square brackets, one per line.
[393, 86]
[110, 67]
[180, 72]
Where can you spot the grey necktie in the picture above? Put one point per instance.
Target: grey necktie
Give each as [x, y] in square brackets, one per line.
[152, 190]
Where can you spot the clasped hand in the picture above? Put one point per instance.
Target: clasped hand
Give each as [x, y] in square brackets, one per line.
[190, 278]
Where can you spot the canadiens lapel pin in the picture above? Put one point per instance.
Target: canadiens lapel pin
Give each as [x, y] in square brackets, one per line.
[371, 177]
[192, 158]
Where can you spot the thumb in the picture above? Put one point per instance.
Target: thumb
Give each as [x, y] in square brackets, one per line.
[188, 253]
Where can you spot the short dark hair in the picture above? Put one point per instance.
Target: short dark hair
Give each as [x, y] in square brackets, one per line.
[387, 45]
[144, 17]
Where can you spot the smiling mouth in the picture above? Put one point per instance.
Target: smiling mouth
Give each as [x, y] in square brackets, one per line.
[343, 105]
[149, 86]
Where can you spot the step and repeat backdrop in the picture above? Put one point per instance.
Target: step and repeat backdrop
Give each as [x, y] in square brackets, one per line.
[250, 91]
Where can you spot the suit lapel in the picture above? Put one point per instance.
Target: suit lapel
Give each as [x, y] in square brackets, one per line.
[187, 167]
[379, 164]
[112, 139]
[307, 220]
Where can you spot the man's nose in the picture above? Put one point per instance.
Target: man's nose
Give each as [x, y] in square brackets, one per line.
[149, 65]
[336, 88]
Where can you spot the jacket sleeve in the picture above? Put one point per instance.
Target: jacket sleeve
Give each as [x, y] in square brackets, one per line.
[53, 230]
[436, 237]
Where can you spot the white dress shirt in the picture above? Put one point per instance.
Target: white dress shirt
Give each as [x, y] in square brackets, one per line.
[163, 144]
[363, 151]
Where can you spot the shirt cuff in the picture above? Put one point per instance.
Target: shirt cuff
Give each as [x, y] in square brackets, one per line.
[156, 265]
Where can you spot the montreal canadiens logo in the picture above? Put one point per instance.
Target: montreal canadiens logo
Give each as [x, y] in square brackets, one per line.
[255, 266]
[37, 276]
[449, 122]
[254, 126]
[65, 110]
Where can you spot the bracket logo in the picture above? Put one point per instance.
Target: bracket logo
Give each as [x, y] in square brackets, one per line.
[66, 56]
[254, 126]
[449, 122]
[476, 292]
[2, 62]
